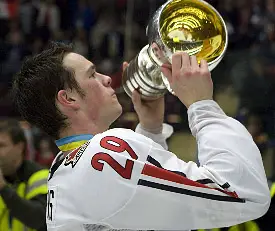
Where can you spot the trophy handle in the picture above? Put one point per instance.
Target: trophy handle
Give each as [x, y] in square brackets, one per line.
[144, 74]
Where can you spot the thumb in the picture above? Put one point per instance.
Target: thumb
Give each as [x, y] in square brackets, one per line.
[124, 66]
[136, 98]
[167, 72]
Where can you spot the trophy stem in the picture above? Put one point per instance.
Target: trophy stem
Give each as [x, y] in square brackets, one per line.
[144, 74]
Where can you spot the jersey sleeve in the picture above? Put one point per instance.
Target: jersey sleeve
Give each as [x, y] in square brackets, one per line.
[139, 185]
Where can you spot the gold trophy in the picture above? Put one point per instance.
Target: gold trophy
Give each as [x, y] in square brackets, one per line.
[193, 26]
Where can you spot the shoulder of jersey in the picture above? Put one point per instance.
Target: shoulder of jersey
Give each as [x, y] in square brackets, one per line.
[125, 134]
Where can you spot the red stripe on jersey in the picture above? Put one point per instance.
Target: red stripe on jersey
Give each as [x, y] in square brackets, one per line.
[160, 173]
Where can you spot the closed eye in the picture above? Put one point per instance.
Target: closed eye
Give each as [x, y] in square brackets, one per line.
[93, 75]
[91, 71]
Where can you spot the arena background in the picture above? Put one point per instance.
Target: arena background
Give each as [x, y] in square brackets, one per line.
[110, 31]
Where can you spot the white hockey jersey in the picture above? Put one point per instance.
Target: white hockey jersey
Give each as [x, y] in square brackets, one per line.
[124, 180]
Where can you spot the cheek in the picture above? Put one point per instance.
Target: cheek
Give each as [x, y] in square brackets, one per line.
[8, 157]
[94, 89]
[95, 99]
[14, 156]
[94, 94]
[4, 152]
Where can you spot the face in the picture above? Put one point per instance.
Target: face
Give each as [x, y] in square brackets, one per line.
[10, 154]
[100, 103]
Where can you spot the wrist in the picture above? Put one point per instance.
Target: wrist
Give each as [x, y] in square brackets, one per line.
[157, 129]
[196, 101]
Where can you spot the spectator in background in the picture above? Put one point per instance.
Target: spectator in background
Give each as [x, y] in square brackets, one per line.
[80, 41]
[30, 149]
[67, 13]
[4, 19]
[85, 17]
[23, 184]
[254, 125]
[45, 151]
[270, 9]
[111, 47]
[48, 17]
[106, 23]
[15, 51]
[27, 15]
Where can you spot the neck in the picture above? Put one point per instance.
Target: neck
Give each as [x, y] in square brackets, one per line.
[80, 127]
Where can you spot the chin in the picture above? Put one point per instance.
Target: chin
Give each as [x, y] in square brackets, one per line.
[117, 111]
[8, 171]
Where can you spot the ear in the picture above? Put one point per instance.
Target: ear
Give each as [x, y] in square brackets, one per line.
[67, 100]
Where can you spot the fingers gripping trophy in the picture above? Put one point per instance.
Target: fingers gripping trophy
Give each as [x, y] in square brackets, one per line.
[193, 26]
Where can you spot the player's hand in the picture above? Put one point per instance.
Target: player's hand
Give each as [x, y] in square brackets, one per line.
[150, 113]
[190, 81]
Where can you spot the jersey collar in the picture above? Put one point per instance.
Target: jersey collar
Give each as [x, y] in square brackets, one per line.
[72, 142]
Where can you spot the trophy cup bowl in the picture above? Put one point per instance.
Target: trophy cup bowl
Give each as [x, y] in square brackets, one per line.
[192, 26]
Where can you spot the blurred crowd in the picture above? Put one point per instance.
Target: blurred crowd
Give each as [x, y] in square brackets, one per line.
[110, 31]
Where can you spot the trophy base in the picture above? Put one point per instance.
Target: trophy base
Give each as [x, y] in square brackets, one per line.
[144, 75]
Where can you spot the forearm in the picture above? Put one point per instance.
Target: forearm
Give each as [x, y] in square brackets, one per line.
[29, 212]
[228, 154]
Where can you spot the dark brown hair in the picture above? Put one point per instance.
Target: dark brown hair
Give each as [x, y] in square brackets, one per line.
[36, 85]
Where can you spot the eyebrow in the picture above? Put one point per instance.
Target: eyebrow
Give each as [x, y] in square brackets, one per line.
[91, 69]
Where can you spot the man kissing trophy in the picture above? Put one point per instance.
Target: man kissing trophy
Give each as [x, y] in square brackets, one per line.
[193, 26]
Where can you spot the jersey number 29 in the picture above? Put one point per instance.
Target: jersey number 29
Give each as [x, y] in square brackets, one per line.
[114, 144]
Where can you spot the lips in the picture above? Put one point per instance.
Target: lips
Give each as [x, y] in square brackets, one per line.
[114, 94]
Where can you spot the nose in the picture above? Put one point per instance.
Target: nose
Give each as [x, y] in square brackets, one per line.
[106, 80]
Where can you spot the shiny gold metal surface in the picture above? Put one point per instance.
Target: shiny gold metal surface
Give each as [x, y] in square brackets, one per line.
[192, 26]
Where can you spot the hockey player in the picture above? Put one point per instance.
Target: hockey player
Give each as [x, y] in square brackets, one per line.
[120, 179]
